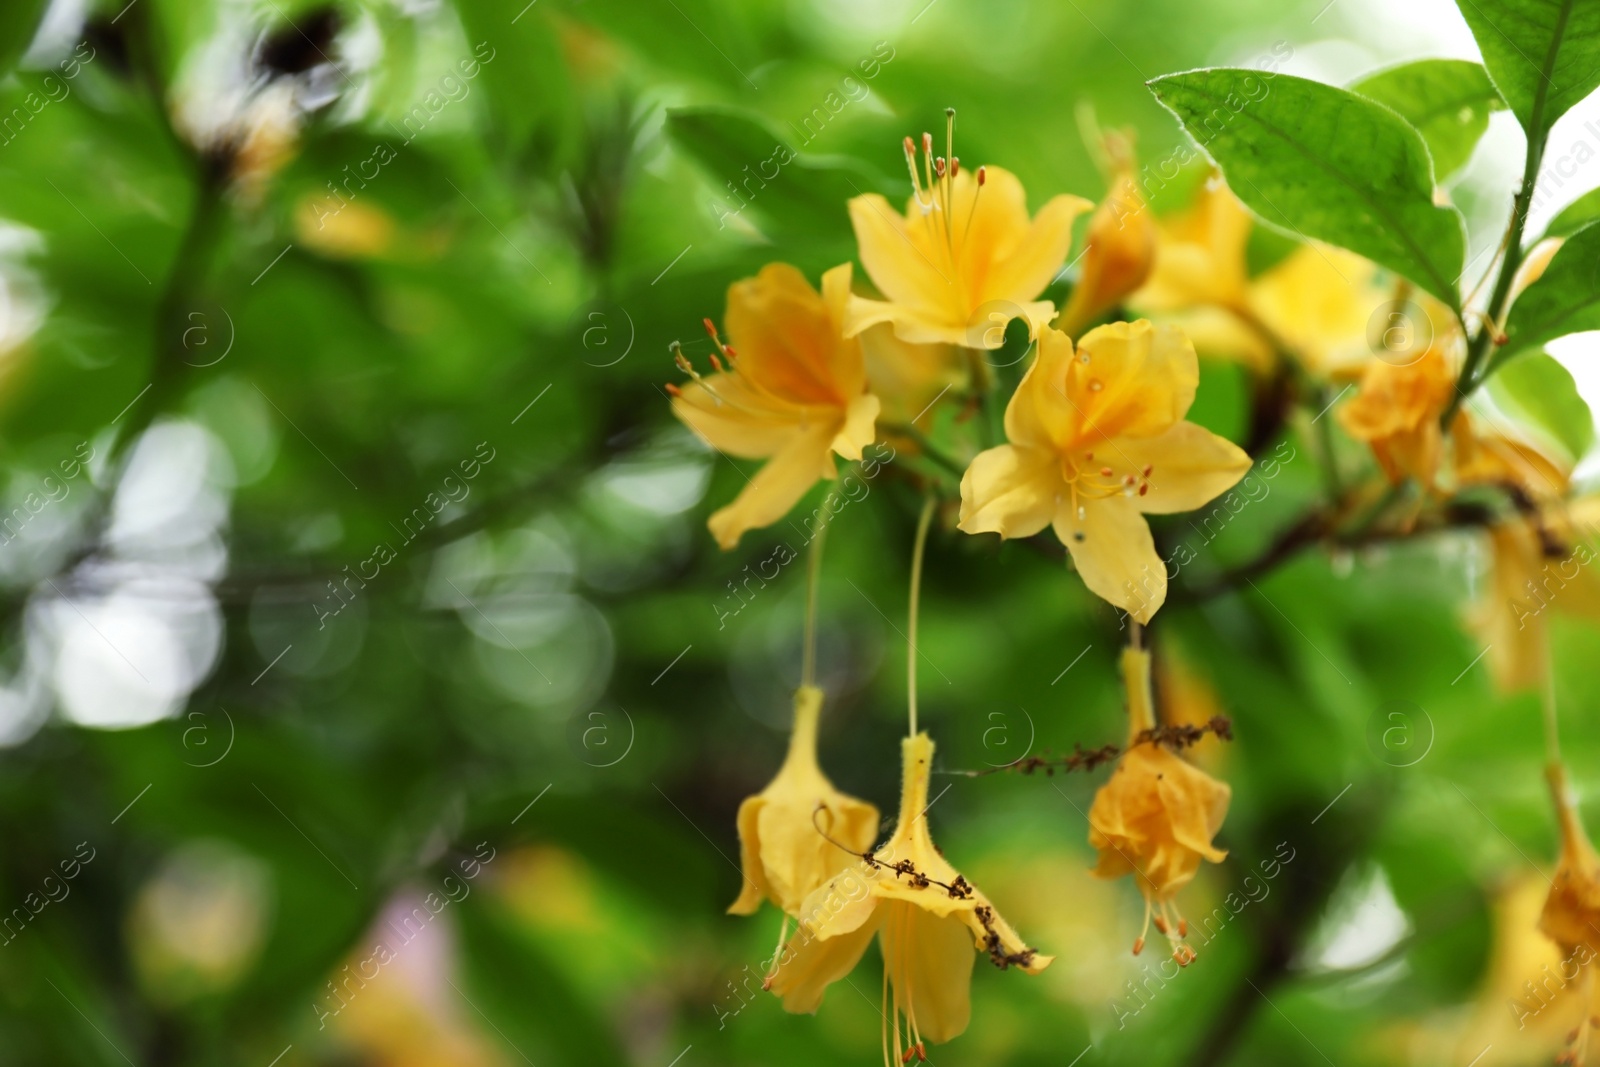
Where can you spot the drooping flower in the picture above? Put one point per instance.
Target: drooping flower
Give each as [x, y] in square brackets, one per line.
[793, 392]
[965, 258]
[1571, 915]
[784, 830]
[1157, 815]
[1397, 414]
[929, 921]
[1541, 552]
[1098, 440]
[1120, 249]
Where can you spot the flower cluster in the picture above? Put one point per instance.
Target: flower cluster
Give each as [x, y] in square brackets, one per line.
[1089, 440]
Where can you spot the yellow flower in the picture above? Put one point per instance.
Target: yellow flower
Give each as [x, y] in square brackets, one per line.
[793, 392]
[1098, 440]
[1157, 815]
[781, 829]
[965, 258]
[1397, 413]
[1317, 303]
[1542, 555]
[1121, 245]
[1200, 254]
[928, 918]
[1571, 915]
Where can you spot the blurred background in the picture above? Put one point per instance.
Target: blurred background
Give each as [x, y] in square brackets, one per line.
[373, 693]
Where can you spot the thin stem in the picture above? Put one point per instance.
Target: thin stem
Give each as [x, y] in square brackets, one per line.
[1330, 458]
[917, 550]
[808, 653]
[1484, 340]
[1547, 694]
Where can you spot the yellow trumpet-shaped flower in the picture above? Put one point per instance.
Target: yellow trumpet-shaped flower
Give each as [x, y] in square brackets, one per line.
[793, 392]
[1098, 440]
[965, 258]
[1571, 916]
[1157, 815]
[1397, 414]
[784, 830]
[928, 918]
[1121, 246]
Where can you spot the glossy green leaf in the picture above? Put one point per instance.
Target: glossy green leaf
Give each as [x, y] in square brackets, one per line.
[1447, 100]
[1575, 216]
[1565, 299]
[1543, 54]
[1324, 163]
[1540, 391]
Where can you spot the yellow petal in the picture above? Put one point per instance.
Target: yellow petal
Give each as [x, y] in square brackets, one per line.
[860, 427]
[898, 265]
[787, 342]
[809, 964]
[1025, 261]
[728, 414]
[929, 960]
[1040, 414]
[806, 457]
[1188, 464]
[1200, 258]
[1118, 254]
[908, 379]
[1010, 491]
[1137, 381]
[755, 888]
[1115, 554]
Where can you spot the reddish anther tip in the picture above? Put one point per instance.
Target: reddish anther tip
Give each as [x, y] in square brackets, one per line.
[911, 146]
[983, 173]
[1143, 489]
[710, 327]
[938, 166]
[717, 363]
[927, 143]
[674, 390]
[955, 166]
[728, 351]
[1138, 946]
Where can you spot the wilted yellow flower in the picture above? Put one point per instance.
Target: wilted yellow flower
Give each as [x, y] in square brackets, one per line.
[784, 830]
[1120, 248]
[929, 920]
[1541, 556]
[1397, 413]
[1157, 815]
[1571, 916]
[793, 392]
[965, 258]
[1098, 440]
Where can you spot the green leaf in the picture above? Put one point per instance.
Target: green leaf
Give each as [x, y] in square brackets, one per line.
[1447, 100]
[1543, 54]
[746, 161]
[19, 21]
[1565, 299]
[1540, 392]
[1575, 216]
[1324, 163]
